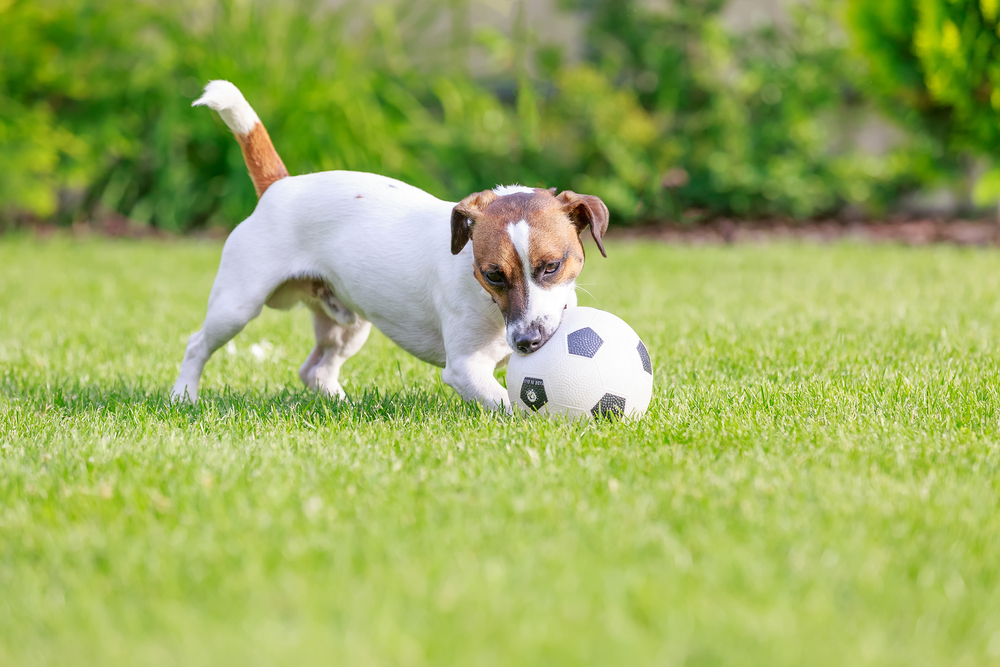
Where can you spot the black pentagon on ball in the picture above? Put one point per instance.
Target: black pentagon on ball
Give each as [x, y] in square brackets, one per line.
[533, 393]
[609, 406]
[584, 342]
[647, 365]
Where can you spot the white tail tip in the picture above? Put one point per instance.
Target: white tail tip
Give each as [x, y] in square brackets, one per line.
[227, 99]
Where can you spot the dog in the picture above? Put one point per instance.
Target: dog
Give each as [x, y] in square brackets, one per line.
[458, 285]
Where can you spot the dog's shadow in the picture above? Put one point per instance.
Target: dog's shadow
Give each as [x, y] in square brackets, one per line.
[286, 406]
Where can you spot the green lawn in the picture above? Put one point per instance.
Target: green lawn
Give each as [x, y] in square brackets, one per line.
[817, 481]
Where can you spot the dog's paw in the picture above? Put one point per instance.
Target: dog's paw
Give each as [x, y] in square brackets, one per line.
[327, 387]
[183, 394]
[333, 390]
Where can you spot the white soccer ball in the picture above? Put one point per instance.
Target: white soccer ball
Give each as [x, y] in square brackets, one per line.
[594, 365]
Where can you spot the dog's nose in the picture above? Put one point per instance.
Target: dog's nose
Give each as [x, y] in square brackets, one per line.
[529, 341]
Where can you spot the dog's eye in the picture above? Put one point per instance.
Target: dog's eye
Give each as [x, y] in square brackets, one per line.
[552, 267]
[494, 277]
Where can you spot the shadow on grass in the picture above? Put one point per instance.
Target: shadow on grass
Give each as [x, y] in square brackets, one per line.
[299, 406]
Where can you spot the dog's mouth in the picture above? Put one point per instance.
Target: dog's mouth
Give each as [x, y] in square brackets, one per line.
[529, 349]
[529, 339]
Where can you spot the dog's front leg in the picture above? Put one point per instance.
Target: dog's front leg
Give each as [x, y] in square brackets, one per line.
[472, 377]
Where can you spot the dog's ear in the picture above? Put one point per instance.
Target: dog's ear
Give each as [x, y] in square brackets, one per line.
[586, 210]
[464, 216]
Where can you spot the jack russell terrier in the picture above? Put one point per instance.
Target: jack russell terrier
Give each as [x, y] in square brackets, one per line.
[361, 249]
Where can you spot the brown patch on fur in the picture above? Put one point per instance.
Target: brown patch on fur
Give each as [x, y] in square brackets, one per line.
[512, 296]
[464, 216]
[512, 301]
[586, 210]
[555, 224]
[263, 162]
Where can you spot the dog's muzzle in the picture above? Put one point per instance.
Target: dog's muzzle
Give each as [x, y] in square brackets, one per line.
[530, 338]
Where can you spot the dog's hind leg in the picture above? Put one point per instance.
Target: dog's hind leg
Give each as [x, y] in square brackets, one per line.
[236, 299]
[335, 344]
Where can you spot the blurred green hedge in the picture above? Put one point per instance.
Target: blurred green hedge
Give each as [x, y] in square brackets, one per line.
[668, 111]
[935, 64]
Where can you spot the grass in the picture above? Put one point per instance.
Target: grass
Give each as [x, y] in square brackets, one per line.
[816, 482]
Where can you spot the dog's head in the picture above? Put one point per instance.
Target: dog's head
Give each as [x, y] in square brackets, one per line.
[527, 253]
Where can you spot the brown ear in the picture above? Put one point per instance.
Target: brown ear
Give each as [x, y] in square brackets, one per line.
[464, 216]
[586, 210]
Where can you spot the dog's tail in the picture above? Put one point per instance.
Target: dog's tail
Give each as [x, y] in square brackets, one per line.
[262, 160]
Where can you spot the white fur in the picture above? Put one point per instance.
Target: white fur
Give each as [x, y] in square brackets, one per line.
[502, 190]
[520, 236]
[227, 99]
[384, 250]
[545, 305]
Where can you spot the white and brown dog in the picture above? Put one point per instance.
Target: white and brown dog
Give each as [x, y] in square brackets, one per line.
[361, 249]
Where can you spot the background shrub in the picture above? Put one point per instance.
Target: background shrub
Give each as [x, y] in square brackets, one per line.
[761, 118]
[935, 65]
[668, 111]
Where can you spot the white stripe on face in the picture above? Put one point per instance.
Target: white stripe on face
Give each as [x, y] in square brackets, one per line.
[519, 235]
[502, 190]
[545, 306]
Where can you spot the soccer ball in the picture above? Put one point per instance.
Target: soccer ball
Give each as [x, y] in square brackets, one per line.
[594, 365]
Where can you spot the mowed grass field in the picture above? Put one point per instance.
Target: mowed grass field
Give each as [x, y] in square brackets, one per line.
[817, 481]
